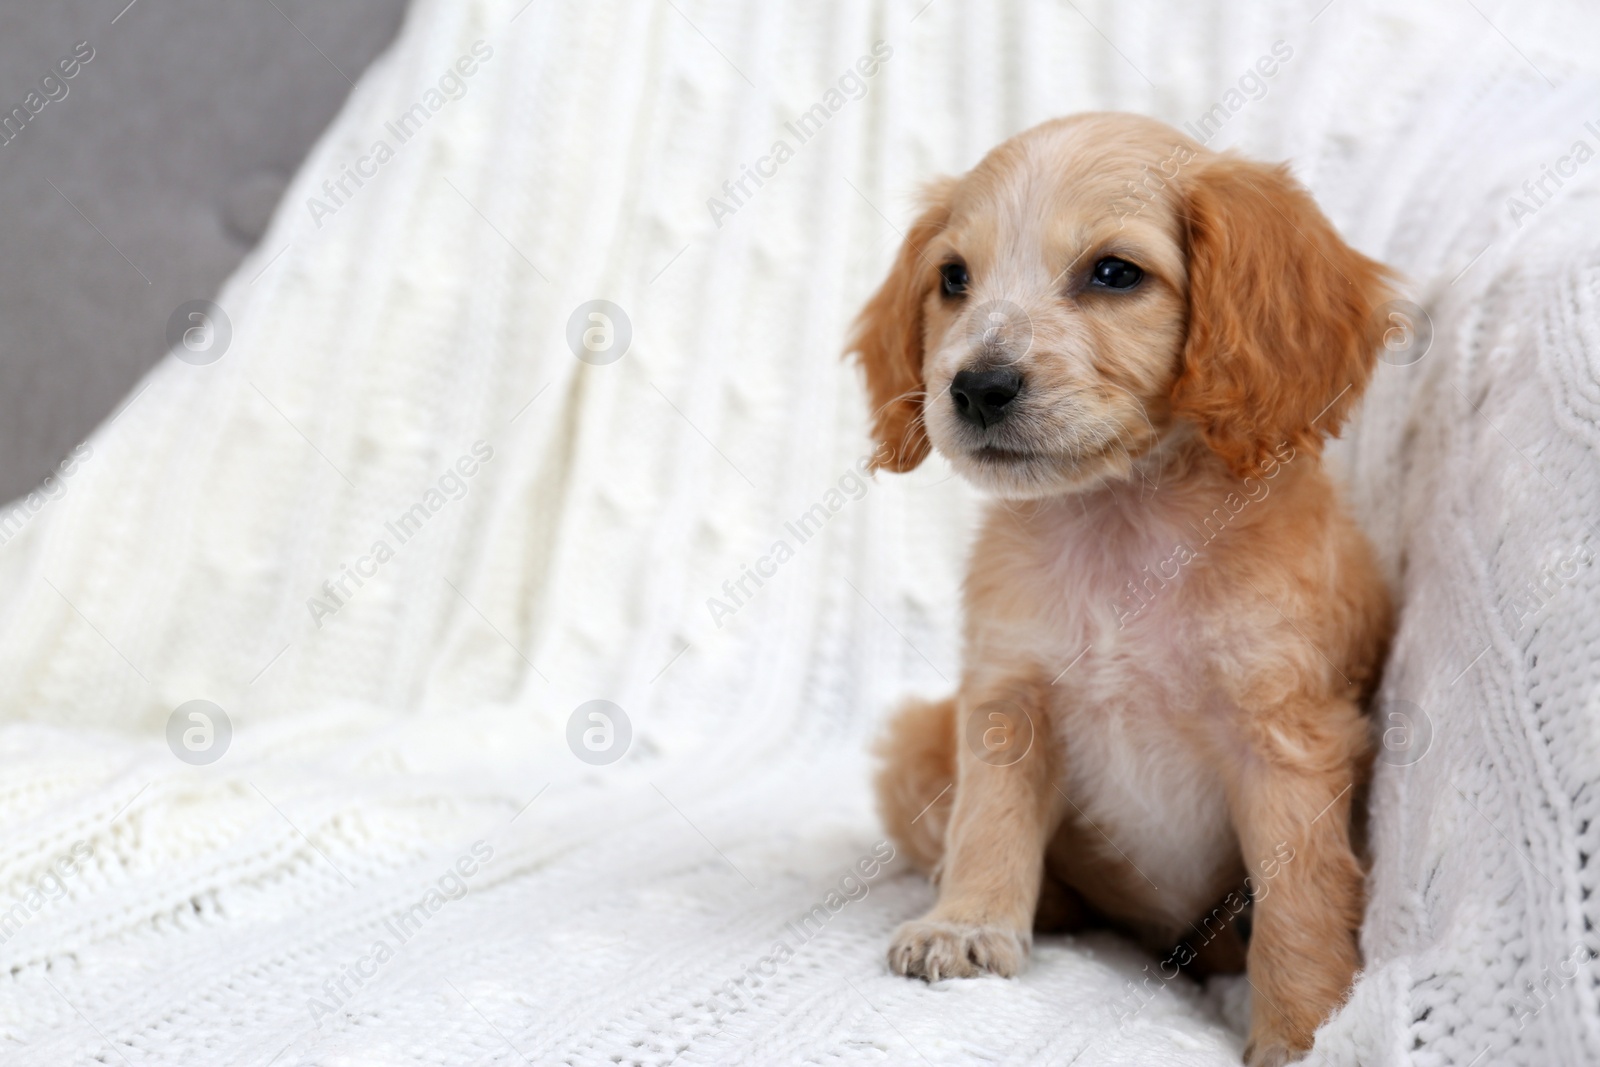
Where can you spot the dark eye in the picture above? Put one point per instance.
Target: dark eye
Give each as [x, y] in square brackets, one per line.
[955, 278]
[1114, 273]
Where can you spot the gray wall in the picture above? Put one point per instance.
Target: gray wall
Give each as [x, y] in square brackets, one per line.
[174, 142]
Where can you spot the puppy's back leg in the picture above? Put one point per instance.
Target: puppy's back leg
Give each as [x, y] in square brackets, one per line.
[916, 783]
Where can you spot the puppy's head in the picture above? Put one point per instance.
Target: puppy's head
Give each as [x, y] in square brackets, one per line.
[1101, 286]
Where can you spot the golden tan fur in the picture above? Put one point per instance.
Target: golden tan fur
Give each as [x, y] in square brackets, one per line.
[1171, 620]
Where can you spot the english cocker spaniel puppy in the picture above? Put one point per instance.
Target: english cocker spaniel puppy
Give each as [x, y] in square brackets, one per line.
[1138, 346]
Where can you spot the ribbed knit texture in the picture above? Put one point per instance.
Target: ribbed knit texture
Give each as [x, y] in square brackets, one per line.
[219, 906]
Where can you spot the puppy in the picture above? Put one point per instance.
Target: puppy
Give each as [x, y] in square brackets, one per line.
[1138, 346]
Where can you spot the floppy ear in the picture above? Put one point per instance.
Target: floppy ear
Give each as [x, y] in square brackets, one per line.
[1283, 315]
[888, 340]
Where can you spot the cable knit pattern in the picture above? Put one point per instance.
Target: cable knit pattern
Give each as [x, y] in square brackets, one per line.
[405, 746]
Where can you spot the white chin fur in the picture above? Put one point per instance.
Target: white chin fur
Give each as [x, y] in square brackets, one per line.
[1028, 479]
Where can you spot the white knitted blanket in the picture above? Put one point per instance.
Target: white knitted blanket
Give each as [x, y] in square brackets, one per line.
[398, 534]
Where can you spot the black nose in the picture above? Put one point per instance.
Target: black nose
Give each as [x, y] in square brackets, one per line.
[981, 396]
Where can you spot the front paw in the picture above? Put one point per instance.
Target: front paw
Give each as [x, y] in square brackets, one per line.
[931, 950]
[1264, 1051]
[1282, 1030]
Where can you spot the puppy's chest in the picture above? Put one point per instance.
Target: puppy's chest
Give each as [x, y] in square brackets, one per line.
[1124, 588]
[1134, 711]
[1137, 773]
